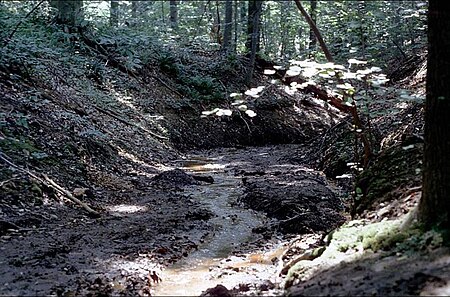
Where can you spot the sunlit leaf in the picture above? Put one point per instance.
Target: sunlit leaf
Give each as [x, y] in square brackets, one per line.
[309, 72]
[224, 112]
[242, 107]
[250, 113]
[210, 112]
[289, 91]
[237, 102]
[253, 92]
[293, 71]
[269, 71]
[345, 86]
[357, 62]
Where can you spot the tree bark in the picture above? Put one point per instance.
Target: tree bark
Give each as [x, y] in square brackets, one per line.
[173, 14]
[434, 206]
[313, 14]
[254, 37]
[316, 31]
[114, 13]
[228, 27]
[253, 16]
[70, 12]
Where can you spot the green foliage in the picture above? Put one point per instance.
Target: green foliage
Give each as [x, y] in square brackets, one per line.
[200, 87]
[168, 64]
[375, 31]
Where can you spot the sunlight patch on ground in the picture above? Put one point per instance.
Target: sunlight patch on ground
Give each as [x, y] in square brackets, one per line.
[436, 291]
[136, 160]
[126, 100]
[142, 266]
[124, 208]
[210, 166]
[196, 163]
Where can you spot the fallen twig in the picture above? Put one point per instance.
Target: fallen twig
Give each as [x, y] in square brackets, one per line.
[167, 86]
[112, 114]
[50, 183]
[70, 196]
[7, 181]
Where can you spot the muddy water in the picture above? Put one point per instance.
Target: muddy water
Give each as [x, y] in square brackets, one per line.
[212, 264]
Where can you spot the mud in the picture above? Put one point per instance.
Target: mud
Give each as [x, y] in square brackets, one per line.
[176, 219]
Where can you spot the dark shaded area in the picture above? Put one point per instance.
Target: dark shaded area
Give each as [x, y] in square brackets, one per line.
[395, 171]
[301, 200]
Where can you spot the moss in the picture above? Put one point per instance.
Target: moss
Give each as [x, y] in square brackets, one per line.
[36, 189]
[390, 235]
[14, 145]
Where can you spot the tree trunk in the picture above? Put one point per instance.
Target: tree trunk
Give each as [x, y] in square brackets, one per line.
[313, 14]
[434, 206]
[173, 14]
[254, 37]
[134, 10]
[228, 27]
[236, 31]
[254, 12]
[316, 31]
[362, 11]
[70, 13]
[114, 13]
[284, 10]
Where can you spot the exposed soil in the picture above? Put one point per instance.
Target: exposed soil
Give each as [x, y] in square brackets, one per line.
[105, 191]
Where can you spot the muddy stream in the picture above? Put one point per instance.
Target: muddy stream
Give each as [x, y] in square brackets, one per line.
[219, 239]
[233, 226]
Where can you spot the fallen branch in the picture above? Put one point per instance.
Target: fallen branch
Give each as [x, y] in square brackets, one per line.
[340, 105]
[167, 86]
[307, 256]
[70, 196]
[2, 183]
[51, 184]
[106, 56]
[112, 114]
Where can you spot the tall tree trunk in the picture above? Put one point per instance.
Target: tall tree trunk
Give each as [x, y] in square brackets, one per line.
[217, 25]
[134, 10]
[228, 27]
[434, 206]
[114, 13]
[254, 13]
[163, 14]
[313, 14]
[316, 31]
[70, 13]
[362, 29]
[284, 10]
[398, 21]
[254, 37]
[236, 31]
[173, 14]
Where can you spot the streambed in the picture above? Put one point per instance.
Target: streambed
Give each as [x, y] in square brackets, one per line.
[153, 240]
[244, 251]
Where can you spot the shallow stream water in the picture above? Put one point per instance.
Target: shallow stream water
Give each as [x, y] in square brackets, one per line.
[233, 226]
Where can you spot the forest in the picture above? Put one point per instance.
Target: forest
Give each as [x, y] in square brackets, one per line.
[224, 148]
